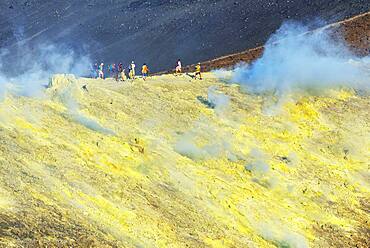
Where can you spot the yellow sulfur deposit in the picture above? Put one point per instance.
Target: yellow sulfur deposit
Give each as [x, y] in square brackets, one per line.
[95, 163]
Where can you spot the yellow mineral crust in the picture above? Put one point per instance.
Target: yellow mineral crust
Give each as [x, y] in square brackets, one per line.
[95, 163]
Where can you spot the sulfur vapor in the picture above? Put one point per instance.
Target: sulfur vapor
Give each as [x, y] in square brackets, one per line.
[296, 58]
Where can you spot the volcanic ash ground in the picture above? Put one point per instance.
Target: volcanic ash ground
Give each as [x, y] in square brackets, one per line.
[173, 162]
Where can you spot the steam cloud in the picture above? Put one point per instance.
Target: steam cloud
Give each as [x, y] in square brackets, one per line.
[67, 96]
[89, 123]
[187, 146]
[282, 238]
[295, 58]
[219, 100]
[25, 70]
[200, 143]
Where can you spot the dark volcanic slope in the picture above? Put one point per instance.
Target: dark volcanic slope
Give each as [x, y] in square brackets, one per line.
[355, 31]
[160, 31]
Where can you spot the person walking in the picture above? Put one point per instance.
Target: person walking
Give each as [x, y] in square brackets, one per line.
[178, 69]
[132, 72]
[123, 75]
[109, 70]
[198, 70]
[145, 71]
[101, 71]
[115, 71]
[120, 67]
[121, 72]
[129, 72]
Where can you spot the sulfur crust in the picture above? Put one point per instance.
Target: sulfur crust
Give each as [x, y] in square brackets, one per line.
[64, 184]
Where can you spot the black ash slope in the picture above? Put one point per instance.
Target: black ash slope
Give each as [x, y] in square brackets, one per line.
[159, 31]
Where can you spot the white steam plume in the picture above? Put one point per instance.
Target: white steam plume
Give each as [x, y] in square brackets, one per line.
[25, 70]
[295, 58]
[219, 100]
